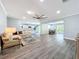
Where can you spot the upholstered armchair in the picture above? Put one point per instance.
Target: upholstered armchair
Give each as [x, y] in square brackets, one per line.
[7, 42]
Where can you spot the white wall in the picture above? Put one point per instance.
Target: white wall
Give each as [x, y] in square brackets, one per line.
[3, 20]
[13, 22]
[71, 26]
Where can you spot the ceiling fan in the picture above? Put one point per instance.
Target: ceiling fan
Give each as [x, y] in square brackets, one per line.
[64, 1]
[40, 16]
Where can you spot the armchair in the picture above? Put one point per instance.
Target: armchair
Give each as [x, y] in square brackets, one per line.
[7, 42]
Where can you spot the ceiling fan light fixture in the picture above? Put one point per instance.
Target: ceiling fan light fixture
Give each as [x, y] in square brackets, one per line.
[58, 12]
[30, 12]
[41, 0]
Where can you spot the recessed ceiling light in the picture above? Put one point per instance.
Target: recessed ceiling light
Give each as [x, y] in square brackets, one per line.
[58, 11]
[41, 0]
[30, 12]
[24, 17]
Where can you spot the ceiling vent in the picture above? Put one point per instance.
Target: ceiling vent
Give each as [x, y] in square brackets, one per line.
[64, 1]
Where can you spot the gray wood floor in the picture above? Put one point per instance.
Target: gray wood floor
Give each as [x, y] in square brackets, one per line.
[46, 47]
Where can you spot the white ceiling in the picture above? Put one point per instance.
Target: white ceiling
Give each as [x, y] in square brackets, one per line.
[18, 8]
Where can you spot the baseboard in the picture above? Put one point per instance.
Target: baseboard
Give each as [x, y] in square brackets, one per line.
[43, 34]
[67, 38]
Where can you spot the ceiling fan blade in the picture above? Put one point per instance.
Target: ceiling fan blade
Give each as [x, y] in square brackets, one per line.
[34, 17]
[42, 15]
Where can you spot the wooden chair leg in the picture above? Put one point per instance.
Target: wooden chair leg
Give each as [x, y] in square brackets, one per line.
[2, 50]
[1, 43]
[22, 44]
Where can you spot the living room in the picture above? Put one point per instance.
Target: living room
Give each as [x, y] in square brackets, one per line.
[39, 29]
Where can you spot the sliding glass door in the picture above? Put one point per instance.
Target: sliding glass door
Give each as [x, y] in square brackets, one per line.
[60, 28]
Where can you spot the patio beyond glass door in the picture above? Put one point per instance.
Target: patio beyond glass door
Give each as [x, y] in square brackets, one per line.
[60, 28]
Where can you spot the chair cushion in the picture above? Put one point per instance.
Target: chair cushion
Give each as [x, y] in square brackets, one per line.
[11, 43]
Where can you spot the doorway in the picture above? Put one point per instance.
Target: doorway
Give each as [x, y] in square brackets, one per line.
[57, 26]
[60, 28]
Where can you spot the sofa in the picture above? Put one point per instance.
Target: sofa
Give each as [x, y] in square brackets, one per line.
[8, 40]
[25, 34]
